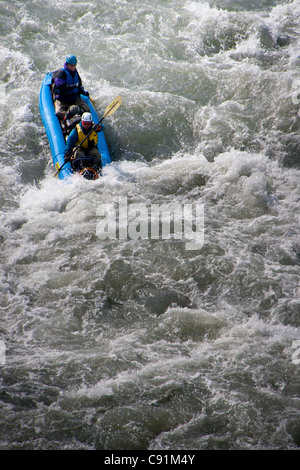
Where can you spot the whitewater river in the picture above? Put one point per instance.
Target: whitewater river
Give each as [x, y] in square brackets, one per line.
[131, 343]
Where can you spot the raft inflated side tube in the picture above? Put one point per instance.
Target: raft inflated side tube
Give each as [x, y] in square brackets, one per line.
[52, 128]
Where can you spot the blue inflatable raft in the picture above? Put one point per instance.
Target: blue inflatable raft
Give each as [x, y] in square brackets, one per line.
[55, 134]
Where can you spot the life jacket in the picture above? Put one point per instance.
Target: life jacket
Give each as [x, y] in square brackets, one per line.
[68, 95]
[71, 80]
[90, 142]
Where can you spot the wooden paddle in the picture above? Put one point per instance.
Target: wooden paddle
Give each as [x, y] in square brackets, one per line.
[111, 108]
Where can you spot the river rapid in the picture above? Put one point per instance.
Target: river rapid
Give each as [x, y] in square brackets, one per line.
[140, 343]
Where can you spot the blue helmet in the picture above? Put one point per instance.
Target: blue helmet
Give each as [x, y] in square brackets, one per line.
[71, 59]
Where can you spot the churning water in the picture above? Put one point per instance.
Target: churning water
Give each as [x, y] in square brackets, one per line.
[140, 343]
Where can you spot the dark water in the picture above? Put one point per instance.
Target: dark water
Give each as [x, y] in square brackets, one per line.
[140, 343]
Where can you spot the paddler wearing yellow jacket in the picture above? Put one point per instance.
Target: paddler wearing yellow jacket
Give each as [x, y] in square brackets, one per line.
[89, 146]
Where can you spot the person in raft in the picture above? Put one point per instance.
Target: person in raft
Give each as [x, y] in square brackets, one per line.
[68, 88]
[89, 146]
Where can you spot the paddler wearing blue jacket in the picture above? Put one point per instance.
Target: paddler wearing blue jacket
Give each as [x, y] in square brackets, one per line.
[89, 146]
[67, 88]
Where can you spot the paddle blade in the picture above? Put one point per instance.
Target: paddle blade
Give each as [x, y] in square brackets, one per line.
[57, 167]
[113, 106]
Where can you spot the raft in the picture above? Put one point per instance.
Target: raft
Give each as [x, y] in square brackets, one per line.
[55, 134]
